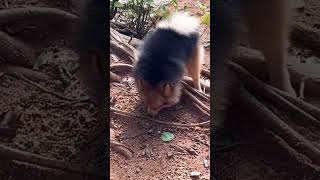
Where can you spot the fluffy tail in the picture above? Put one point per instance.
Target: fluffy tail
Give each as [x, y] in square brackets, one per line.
[180, 22]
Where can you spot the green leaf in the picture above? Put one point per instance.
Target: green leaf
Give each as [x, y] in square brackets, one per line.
[118, 4]
[202, 7]
[175, 3]
[167, 136]
[205, 19]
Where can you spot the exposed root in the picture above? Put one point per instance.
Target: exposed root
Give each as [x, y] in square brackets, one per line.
[15, 52]
[28, 73]
[128, 114]
[15, 154]
[278, 126]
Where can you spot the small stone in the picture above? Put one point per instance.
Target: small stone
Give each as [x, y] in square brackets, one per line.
[138, 169]
[205, 163]
[169, 154]
[195, 174]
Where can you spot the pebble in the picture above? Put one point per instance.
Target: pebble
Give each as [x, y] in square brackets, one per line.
[195, 174]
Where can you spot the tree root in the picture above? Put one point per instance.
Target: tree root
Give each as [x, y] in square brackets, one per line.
[254, 62]
[15, 154]
[197, 101]
[15, 52]
[17, 14]
[310, 109]
[260, 89]
[30, 74]
[283, 130]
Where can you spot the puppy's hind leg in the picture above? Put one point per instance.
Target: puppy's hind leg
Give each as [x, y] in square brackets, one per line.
[268, 22]
[194, 66]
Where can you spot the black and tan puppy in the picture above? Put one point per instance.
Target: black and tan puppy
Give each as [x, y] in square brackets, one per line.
[167, 51]
[267, 22]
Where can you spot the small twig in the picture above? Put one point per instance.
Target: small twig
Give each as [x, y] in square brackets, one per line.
[197, 101]
[50, 92]
[128, 114]
[204, 31]
[302, 87]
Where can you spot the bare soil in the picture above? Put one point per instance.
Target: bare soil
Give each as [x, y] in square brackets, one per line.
[153, 158]
[252, 154]
[52, 127]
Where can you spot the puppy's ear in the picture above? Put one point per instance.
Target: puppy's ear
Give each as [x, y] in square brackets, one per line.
[167, 89]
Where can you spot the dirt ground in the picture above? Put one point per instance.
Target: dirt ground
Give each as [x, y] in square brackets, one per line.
[155, 159]
[254, 155]
[52, 126]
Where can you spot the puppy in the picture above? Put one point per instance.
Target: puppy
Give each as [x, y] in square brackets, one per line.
[267, 22]
[167, 51]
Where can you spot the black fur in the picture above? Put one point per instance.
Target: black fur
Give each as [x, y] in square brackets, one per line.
[163, 56]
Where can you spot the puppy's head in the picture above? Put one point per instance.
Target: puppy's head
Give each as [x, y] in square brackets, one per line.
[157, 97]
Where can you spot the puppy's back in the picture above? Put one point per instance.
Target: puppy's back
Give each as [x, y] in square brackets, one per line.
[167, 49]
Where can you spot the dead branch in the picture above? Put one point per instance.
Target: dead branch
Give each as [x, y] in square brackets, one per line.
[128, 114]
[30, 74]
[15, 154]
[260, 89]
[15, 52]
[279, 127]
